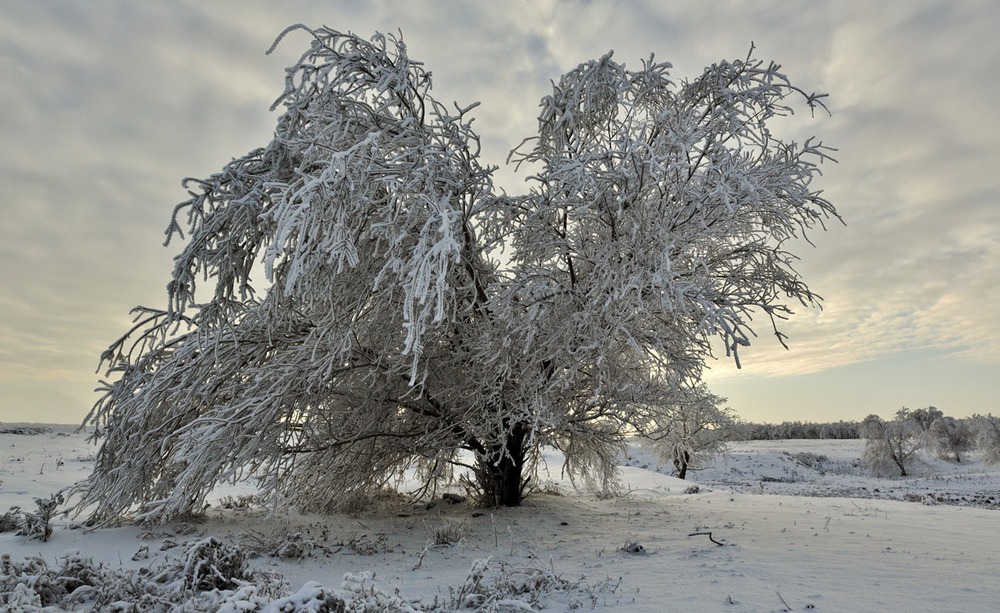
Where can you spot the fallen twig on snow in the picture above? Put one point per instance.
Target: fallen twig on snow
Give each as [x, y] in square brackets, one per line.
[708, 534]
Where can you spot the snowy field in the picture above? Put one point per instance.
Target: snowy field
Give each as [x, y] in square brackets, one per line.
[801, 527]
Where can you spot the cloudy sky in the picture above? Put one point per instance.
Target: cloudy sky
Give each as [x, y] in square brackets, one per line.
[105, 106]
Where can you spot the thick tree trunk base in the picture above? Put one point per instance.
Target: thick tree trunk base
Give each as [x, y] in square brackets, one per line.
[500, 484]
[500, 475]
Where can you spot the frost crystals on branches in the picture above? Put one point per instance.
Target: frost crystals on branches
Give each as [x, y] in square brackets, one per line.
[339, 314]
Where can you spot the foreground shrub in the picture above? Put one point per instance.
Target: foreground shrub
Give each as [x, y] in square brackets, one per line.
[212, 576]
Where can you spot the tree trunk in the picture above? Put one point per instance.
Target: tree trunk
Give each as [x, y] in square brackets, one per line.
[899, 463]
[499, 474]
[681, 464]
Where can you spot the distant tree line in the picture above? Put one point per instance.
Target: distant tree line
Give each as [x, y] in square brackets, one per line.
[803, 430]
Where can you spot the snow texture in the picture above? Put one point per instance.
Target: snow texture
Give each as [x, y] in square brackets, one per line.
[802, 527]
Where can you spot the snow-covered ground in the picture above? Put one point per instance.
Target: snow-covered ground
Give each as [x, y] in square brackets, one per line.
[801, 527]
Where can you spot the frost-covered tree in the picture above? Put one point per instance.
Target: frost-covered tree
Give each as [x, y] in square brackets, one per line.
[688, 429]
[890, 446]
[951, 437]
[340, 313]
[925, 417]
[987, 430]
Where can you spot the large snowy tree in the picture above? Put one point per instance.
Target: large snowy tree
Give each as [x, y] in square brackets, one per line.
[356, 300]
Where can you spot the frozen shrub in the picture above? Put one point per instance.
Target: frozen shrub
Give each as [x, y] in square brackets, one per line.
[38, 525]
[210, 564]
[810, 460]
[447, 532]
[366, 546]
[240, 503]
[312, 597]
[11, 520]
[284, 543]
[77, 583]
[32, 582]
[516, 588]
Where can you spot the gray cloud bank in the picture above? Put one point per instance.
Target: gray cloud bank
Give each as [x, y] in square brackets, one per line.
[105, 106]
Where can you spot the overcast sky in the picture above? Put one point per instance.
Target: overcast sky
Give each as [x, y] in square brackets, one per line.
[106, 106]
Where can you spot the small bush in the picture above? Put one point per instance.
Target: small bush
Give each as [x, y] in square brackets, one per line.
[365, 546]
[211, 564]
[811, 460]
[239, 503]
[381, 502]
[284, 543]
[37, 525]
[448, 532]
[11, 520]
[489, 589]
[314, 597]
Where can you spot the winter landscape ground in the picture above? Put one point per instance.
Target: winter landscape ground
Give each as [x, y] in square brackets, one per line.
[772, 526]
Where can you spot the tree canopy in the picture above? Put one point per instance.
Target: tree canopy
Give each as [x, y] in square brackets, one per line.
[356, 300]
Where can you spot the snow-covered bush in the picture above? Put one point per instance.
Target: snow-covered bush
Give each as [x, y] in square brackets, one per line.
[209, 576]
[38, 525]
[492, 586]
[312, 597]
[387, 334]
[76, 582]
[240, 503]
[447, 532]
[211, 564]
[11, 519]
[810, 459]
[285, 543]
